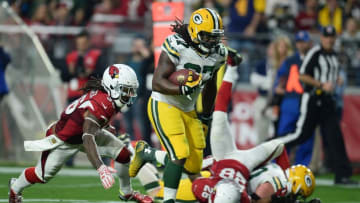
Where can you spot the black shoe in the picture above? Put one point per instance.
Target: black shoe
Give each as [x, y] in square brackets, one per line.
[346, 181]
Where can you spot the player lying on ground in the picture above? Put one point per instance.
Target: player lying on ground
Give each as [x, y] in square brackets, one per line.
[269, 183]
[83, 126]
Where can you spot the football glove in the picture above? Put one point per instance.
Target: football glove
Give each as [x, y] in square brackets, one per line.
[106, 178]
[190, 85]
[234, 58]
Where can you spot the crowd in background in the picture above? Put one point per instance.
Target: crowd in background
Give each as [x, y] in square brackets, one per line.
[102, 32]
[250, 25]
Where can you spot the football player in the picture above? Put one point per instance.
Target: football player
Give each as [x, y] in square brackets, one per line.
[232, 164]
[269, 183]
[83, 126]
[196, 46]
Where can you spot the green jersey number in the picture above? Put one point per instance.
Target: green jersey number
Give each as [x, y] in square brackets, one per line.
[197, 68]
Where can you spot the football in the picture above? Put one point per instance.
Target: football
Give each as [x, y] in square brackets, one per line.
[181, 76]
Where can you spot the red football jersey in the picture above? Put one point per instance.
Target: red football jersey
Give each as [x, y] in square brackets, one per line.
[70, 126]
[203, 188]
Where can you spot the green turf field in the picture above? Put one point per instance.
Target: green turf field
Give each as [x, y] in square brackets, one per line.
[86, 189]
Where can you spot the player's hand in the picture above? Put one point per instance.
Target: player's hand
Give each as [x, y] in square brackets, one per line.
[106, 178]
[327, 87]
[234, 58]
[190, 85]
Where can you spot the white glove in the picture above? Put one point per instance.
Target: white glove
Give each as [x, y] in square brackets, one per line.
[112, 170]
[106, 178]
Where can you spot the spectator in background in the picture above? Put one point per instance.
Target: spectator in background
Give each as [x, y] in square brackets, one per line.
[62, 14]
[266, 108]
[331, 14]
[213, 4]
[350, 48]
[81, 63]
[351, 32]
[4, 61]
[40, 16]
[138, 53]
[262, 79]
[288, 85]
[307, 18]
[280, 14]
[59, 44]
[82, 11]
[245, 18]
[352, 9]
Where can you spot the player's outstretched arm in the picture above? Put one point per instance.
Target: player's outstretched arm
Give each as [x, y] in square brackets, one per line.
[160, 82]
[90, 128]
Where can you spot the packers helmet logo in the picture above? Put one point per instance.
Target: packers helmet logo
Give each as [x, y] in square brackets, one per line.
[197, 19]
[308, 181]
[114, 72]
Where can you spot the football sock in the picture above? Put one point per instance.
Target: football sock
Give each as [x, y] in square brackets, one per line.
[223, 96]
[148, 176]
[124, 179]
[230, 74]
[27, 178]
[124, 156]
[150, 154]
[283, 160]
[172, 175]
[161, 157]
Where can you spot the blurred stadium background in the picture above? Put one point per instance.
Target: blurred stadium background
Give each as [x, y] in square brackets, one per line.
[39, 35]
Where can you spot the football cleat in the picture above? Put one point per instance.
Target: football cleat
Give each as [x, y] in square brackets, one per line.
[138, 160]
[136, 196]
[14, 197]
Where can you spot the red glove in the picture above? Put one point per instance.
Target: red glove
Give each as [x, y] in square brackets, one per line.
[106, 178]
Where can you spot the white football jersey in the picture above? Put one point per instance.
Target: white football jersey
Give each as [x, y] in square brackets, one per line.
[184, 56]
[271, 173]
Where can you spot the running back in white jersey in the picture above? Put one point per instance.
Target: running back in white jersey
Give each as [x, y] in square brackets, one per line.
[184, 56]
[271, 173]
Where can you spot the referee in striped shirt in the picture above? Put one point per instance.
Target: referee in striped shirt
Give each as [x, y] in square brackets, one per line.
[319, 74]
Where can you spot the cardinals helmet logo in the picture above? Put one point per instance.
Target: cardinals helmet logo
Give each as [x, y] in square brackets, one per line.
[114, 72]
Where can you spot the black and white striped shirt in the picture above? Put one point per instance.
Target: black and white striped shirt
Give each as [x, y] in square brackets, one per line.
[322, 65]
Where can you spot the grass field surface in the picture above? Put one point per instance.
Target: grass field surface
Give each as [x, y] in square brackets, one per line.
[83, 186]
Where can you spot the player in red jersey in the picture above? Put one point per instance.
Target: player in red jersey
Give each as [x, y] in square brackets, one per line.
[84, 126]
[232, 170]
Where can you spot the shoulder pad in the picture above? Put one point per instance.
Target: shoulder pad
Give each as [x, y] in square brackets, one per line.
[172, 46]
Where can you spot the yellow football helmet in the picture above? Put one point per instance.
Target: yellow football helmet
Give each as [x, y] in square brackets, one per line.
[205, 28]
[302, 180]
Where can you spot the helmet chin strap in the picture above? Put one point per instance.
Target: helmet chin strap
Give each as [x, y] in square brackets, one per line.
[118, 103]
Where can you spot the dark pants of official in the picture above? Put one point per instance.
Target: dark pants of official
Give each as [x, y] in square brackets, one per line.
[321, 110]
